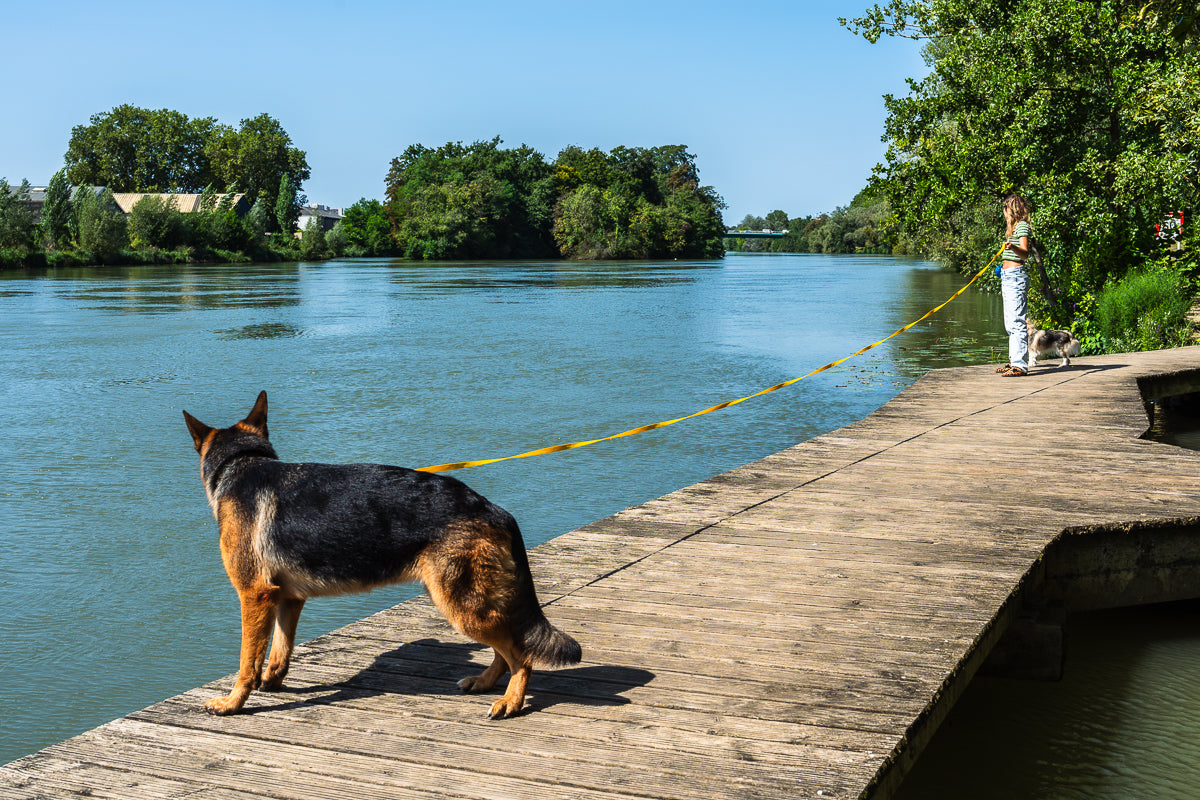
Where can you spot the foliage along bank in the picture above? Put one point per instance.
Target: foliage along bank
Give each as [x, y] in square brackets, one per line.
[1091, 110]
[867, 225]
[485, 201]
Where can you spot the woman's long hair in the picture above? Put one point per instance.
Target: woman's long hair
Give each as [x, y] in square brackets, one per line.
[1016, 210]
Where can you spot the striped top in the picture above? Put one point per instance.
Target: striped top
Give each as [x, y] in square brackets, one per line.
[1020, 229]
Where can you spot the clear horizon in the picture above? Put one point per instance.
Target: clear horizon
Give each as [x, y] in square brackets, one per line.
[782, 107]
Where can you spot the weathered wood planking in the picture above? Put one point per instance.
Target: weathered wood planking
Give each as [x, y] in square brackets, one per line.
[796, 627]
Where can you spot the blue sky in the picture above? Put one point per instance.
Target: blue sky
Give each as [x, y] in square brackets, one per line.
[781, 106]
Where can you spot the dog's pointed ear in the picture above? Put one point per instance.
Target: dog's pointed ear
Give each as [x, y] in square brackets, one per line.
[198, 429]
[257, 417]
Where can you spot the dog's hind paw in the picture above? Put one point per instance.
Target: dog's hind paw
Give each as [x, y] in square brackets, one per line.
[475, 684]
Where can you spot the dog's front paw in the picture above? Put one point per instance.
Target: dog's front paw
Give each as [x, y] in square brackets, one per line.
[505, 708]
[224, 706]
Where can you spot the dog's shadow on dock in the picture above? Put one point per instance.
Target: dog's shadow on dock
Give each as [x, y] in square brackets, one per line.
[432, 668]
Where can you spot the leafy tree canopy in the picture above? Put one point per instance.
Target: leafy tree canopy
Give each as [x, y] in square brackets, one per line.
[1089, 109]
[485, 201]
[367, 229]
[132, 149]
[56, 211]
[16, 223]
[470, 201]
[255, 158]
[635, 203]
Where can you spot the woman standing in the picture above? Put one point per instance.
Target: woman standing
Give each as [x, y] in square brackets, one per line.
[1014, 285]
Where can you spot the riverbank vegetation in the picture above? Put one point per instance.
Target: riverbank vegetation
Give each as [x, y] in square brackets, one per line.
[485, 201]
[476, 201]
[1091, 111]
[867, 225]
[132, 149]
[85, 227]
[165, 155]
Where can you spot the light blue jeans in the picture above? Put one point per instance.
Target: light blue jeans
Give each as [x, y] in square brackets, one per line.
[1014, 288]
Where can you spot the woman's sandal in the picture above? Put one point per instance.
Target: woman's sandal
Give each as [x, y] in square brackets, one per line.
[1004, 368]
[1013, 372]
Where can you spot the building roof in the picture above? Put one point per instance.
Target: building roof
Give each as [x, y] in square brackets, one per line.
[186, 203]
[318, 210]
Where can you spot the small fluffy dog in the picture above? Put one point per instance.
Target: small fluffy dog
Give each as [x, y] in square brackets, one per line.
[1056, 344]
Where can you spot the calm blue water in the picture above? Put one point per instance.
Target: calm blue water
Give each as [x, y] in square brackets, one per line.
[112, 595]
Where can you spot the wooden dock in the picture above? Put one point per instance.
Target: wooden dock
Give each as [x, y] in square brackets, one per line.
[793, 628]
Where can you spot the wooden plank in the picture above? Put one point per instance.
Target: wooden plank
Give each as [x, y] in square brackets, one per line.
[527, 755]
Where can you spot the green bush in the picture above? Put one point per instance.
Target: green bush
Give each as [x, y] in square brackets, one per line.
[312, 240]
[100, 225]
[16, 222]
[1146, 310]
[155, 222]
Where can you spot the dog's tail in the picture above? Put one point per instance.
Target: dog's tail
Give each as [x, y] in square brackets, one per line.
[546, 645]
[550, 647]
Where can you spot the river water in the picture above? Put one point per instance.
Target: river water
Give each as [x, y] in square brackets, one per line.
[112, 595]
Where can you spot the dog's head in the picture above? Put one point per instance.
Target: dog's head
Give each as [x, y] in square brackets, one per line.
[255, 423]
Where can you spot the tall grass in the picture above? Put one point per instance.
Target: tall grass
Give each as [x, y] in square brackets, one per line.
[1146, 310]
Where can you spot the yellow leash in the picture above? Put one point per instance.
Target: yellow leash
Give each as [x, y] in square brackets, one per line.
[558, 448]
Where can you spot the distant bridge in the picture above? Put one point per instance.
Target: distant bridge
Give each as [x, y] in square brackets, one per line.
[754, 234]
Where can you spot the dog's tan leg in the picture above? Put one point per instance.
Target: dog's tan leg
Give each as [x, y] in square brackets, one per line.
[514, 696]
[494, 632]
[258, 616]
[470, 578]
[286, 618]
[509, 657]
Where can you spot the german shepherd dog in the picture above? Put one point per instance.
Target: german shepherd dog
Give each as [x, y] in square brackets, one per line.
[294, 531]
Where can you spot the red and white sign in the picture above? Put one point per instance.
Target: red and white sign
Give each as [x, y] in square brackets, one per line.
[1171, 228]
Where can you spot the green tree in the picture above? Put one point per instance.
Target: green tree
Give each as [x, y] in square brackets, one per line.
[1181, 18]
[100, 225]
[155, 221]
[367, 228]
[16, 221]
[335, 239]
[312, 239]
[56, 211]
[776, 220]
[216, 225]
[485, 201]
[1086, 108]
[580, 225]
[257, 221]
[131, 149]
[471, 201]
[635, 203]
[287, 206]
[256, 158]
